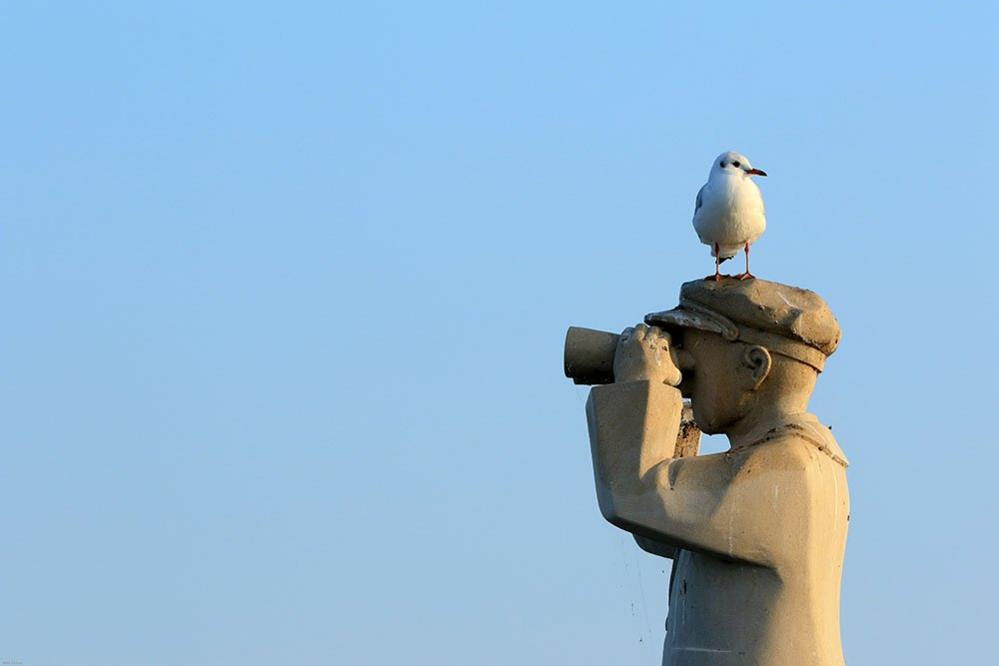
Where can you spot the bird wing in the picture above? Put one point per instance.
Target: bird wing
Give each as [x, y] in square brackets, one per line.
[698, 223]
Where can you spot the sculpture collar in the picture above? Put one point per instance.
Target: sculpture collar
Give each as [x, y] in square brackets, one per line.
[807, 427]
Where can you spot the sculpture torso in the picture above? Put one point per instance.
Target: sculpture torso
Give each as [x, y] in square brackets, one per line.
[723, 611]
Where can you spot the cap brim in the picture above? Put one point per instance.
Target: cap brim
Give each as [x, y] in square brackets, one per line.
[680, 318]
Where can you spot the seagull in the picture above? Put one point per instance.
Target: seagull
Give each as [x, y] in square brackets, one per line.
[728, 213]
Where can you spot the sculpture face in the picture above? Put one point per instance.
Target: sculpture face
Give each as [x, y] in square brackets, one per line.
[720, 385]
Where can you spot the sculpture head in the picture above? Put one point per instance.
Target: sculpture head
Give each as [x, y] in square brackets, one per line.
[729, 382]
[752, 348]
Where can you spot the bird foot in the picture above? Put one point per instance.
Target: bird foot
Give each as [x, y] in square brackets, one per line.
[718, 277]
[745, 276]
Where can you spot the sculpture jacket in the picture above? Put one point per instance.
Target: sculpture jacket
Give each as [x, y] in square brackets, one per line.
[757, 533]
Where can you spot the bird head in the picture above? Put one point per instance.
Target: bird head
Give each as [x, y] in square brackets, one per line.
[734, 164]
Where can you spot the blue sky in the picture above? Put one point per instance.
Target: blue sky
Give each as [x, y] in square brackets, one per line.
[286, 287]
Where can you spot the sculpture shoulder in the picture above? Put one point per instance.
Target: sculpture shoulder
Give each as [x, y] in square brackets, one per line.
[803, 436]
[790, 475]
[788, 452]
[749, 467]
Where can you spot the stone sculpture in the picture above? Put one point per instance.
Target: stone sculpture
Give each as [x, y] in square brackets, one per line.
[757, 534]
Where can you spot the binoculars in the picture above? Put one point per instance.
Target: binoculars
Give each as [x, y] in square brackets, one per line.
[589, 355]
[589, 359]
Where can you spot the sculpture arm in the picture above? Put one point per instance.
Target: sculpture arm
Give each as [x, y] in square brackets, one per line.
[642, 488]
[688, 443]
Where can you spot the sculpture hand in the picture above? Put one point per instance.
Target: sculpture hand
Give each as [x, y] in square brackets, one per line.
[643, 352]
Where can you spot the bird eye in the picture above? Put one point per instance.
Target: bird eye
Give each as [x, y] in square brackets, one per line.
[736, 165]
[722, 165]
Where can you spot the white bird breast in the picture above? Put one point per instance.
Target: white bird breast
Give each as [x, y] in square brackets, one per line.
[731, 214]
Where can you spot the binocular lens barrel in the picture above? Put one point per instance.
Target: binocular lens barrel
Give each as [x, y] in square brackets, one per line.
[589, 355]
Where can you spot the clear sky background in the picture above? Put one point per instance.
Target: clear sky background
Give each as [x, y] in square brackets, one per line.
[286, 286]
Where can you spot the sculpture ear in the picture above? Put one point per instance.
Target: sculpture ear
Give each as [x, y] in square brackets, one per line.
[758, 361]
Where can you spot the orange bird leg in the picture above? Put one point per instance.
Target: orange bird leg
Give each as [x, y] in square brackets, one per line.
[717, 264]
[747, 275]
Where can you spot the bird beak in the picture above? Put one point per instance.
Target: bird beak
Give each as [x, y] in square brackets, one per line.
[756, 172]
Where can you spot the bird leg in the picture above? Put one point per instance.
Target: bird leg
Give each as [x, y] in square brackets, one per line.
[717, 264]
[747, 275]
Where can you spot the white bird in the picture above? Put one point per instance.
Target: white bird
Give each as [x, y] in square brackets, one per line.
[728, 214]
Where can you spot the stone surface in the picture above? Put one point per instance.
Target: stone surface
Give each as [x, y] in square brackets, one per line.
[757, 534]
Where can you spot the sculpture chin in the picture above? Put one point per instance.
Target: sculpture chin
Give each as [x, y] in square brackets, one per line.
[712, 421]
